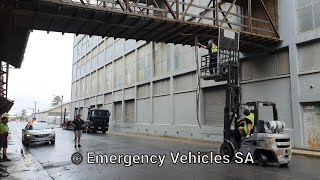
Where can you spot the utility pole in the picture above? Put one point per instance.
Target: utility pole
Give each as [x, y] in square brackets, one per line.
[61, 109]
[35, 109]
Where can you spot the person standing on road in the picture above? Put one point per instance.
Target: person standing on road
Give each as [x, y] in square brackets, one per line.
[78, 127]
[4, 132]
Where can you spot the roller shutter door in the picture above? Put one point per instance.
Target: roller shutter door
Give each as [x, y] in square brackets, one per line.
[118, 111]
[214, 103]
[129, 111]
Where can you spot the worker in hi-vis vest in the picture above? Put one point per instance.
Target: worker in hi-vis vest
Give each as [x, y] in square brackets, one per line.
[213, 51]
[246, 123]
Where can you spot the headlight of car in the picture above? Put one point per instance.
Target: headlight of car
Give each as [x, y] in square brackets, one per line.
[28, 135]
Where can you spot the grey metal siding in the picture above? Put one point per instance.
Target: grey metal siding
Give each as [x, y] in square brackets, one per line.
[129, 111]
[278, 91]
[214, 102]
[118, 111]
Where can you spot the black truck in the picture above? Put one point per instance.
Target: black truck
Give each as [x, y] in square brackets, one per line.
[98, 120]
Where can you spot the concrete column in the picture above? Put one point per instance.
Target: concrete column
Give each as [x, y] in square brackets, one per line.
[151, 82]
[289, 32]
[171, 70]
[296, 110]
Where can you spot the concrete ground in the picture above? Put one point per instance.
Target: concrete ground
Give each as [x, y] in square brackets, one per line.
[42, 161]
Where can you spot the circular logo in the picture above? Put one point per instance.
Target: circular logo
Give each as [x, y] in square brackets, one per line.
[76, 158]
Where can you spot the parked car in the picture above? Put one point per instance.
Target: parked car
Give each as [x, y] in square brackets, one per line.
[38, 132]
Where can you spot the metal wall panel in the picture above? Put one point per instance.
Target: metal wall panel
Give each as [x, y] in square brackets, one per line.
[185, 108]
[118, 112]
[129, 93]
[247, 73]
[129, 113]
[117, 95]
[144, 114]
[108, 98]
[143, 91]
[214, 103]
[161, 87]
[100, 99]
[185, 82]
[161, 110]
[278, 91]
[309, 84]
[86, 103]
[81, 103]
[283, 63]
[93, 101]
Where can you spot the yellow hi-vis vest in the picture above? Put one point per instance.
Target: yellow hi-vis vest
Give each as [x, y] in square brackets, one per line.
[214, 48]
[251, 118]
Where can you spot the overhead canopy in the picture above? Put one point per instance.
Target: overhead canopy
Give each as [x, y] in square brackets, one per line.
[5, 105]
[167, 24]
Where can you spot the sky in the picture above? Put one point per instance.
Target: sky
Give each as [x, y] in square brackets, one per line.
[46, 71]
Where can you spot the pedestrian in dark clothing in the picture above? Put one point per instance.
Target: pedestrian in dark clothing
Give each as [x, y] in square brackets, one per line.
[78, 127]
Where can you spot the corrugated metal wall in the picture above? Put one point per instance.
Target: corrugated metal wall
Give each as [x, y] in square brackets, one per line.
[129, 117]
[214, 103]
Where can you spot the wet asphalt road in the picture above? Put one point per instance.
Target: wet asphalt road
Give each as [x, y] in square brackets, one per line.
[56, 160]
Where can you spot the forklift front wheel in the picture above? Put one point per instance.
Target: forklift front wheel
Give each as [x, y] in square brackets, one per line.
[262, 160]
[226, 149]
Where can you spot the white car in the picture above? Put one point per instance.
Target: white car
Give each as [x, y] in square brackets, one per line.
[38, 132]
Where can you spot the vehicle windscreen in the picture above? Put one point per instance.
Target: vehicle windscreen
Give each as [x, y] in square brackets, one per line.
[100, 113]
[38, 126]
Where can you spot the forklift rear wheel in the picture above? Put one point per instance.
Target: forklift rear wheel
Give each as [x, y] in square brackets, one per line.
[262, 160]
[226, 149]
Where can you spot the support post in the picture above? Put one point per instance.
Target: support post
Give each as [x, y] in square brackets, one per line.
[217, 12]
[250, 14]
[7, 78]
[196, 41]
[177, 9]
[61, 109]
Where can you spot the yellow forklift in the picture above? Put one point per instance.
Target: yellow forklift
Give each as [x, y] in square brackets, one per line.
[266, 143]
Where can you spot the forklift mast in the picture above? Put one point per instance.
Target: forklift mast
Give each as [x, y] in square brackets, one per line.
[227, 69]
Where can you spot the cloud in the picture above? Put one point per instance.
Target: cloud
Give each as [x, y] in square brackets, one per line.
[46, 71]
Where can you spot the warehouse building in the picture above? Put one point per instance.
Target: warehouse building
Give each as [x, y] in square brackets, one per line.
[152, 88]
[53, 115]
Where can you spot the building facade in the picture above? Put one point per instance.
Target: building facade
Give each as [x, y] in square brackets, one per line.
[53, 115]
[152, 88]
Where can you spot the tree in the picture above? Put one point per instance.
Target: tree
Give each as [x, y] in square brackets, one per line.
[56, 101]
[23, 115]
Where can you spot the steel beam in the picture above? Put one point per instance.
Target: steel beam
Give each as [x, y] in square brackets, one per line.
[185, 11]
[170, 9]
[226, 15]
[206, 10]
